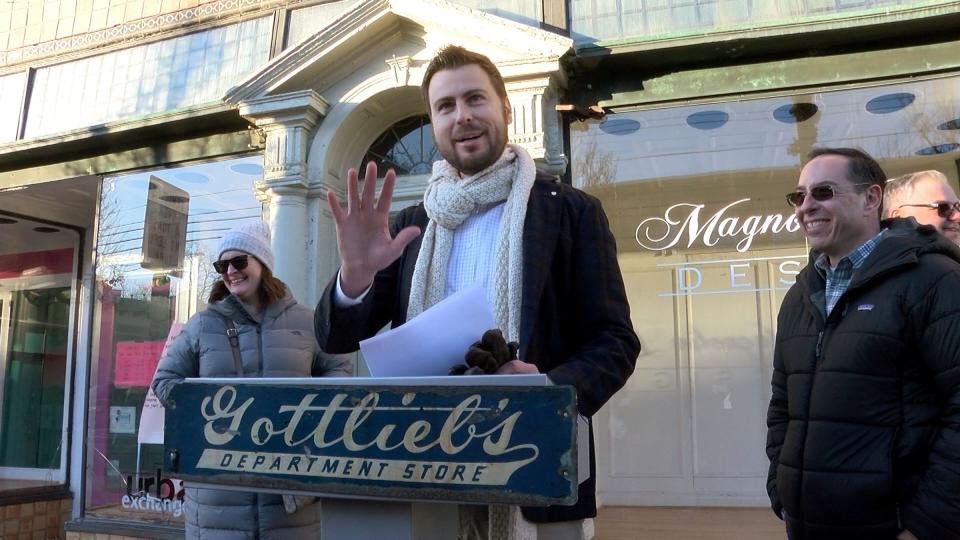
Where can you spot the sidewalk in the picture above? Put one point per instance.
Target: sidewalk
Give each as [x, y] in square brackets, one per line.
[694, 523]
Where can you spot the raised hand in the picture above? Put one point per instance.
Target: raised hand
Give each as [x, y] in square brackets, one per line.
[363, 232]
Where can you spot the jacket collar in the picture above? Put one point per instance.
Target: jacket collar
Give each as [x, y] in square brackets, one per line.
[903, 244]
[231, 306]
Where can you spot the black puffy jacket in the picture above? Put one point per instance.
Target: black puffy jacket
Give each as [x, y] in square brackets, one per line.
[864, 420]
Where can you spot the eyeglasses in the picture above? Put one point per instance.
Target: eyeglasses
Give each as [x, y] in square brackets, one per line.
[944, 209]
[823, 192]
[239, 262]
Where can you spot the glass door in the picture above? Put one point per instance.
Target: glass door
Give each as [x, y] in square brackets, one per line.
[38, 287]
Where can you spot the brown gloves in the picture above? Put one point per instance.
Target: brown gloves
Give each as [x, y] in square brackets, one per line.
[486, 356]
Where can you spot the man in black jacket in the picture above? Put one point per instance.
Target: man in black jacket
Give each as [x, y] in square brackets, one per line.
[542, 251]
[864, 420]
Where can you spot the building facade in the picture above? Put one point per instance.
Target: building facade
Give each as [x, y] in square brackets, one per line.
[133, 134]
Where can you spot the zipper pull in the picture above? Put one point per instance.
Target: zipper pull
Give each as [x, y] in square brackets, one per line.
[819, 344]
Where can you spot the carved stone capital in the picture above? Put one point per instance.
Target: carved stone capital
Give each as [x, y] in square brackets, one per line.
[286, 121]
[536, 123]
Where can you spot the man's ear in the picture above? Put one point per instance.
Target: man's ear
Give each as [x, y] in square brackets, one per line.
[874, 199]
[895, 213]
[508, 110]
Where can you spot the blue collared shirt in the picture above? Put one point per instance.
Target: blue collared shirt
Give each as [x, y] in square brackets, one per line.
[838, 279]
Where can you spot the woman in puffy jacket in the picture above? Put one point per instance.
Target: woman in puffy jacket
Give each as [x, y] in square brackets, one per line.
[275, 339]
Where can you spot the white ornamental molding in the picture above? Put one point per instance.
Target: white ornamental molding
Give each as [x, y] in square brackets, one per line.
[401, 68]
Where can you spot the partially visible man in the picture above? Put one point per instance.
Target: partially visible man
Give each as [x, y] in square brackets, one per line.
[542, 250]
[927, 197]
[864, 419]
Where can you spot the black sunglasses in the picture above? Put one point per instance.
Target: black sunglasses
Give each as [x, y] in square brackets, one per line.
[823, 192]
[944, 209]
[239, 262]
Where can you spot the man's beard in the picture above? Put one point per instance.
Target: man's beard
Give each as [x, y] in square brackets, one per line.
[476, 163]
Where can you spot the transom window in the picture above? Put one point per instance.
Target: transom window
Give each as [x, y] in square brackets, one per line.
[407, 147]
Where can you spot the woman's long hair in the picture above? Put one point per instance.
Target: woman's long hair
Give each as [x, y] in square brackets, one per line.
[271, 289]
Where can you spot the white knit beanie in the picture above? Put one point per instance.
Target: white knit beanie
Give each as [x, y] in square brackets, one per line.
[252, 238]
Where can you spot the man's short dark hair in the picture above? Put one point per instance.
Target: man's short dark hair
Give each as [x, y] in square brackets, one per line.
[861, 168]
[453, 57]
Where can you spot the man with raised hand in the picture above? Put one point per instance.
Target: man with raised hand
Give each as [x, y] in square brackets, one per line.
[864, 419]
[542, 251]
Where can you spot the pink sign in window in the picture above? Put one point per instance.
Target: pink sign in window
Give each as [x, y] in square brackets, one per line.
[135, 362]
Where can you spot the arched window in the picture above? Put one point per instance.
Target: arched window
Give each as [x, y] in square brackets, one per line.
[406, 146]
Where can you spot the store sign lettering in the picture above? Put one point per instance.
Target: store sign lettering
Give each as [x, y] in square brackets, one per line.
[684, 225]
[736, 276]
[167, 496]
[146, 502]
[487, 445]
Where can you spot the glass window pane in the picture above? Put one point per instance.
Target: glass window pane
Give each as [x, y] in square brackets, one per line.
[38, 291]
[708, 247]
[305, 22]
[146, 79]
[11, 88]
[528, 12]
[158, 232]
[406, 147]
[600, 20]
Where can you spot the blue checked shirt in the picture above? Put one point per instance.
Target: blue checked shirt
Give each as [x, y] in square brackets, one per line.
[838, 279]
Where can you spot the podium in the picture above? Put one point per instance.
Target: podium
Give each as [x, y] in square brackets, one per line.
[388, 456]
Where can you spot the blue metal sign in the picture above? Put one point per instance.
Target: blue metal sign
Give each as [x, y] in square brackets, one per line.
[513, 445]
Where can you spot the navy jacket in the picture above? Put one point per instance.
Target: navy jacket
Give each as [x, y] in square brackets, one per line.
[575, 319]
[864, 419]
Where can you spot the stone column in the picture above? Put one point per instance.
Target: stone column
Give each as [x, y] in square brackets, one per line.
[536, 123]
[286, 122]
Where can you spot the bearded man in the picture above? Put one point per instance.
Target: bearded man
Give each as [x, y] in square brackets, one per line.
[542, 251]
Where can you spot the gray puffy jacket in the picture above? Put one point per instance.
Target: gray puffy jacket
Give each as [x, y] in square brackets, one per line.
[282, 345]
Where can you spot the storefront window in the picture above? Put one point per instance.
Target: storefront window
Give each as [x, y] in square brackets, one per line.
[599, 20]
[38, 296]
[146, 79]
[157, 237]
[708, 248]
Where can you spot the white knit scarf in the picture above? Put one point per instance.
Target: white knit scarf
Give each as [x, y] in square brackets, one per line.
[449, 200]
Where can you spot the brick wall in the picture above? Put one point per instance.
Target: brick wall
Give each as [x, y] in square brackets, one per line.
[34, 521]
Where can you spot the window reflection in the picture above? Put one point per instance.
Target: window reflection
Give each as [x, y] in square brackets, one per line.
[598, 20]
[708, 248]
[158, 234]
